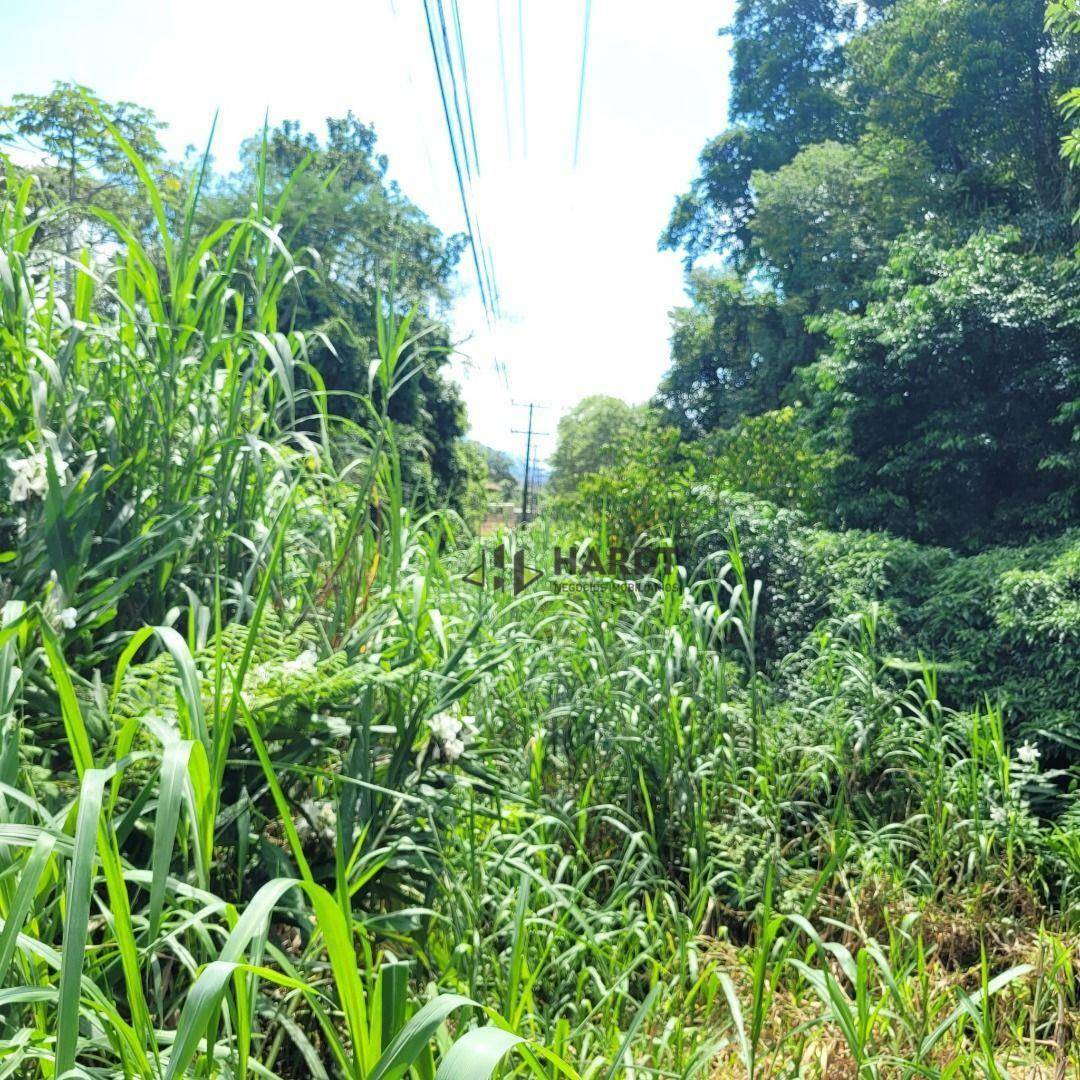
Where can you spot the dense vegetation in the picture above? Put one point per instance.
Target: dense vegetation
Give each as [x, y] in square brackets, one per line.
[895, 219]
[284, 793]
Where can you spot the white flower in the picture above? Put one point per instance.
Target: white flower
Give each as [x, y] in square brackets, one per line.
[444, 726]
[452, 748]
[453, 732]
[32, 476]
[305, 662]
[326, 817]
[998, 815]
[316, 818]
[258, 676]
[1028, 754]
[68, 618]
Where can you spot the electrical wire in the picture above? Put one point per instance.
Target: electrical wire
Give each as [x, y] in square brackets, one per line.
[454, 87]
[502, 76]
[480, 277]
[521, 75]
[581, 83]
[456, 14]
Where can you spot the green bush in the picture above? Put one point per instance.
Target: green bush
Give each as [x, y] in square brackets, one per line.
[1004, 623]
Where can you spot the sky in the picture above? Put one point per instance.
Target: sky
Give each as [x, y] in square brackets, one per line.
[585, 294]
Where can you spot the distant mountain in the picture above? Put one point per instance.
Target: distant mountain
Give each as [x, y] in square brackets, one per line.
[540, 472]
[500, 463]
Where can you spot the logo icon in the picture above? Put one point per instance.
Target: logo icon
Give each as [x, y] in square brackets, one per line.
[520, 578]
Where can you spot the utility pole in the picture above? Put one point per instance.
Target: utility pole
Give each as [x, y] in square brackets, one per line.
[528, 433]
[525, 474]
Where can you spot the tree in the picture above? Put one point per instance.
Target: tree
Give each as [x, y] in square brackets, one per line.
[81, 163]
[500, 471]
[773, 456]
[1063, 19]
[593, 435]
[787, 64]
[972, 83]
[488, 479]
[650, 488]
[955, 398]
[374, 245]
[824, 222]
[472, 500]
[861, 151]
[732, 353]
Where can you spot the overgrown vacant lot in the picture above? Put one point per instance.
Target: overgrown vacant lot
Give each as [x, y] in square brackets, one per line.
[284, 795]
[312, 766]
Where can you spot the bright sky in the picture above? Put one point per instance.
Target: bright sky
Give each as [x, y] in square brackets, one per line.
[585, 293]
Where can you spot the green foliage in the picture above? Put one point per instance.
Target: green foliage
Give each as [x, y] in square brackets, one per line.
[732, 353]
[647, 490]
[283, 794]
[282, 751]
[971, 85]
[500, 470]
[824, 222]
[664, 483]
[1009, 619]
[145, 475]
[871, 163]
[473, 469]
[71, 127]
[1063, 19]
[78, 165]
[485, 482]
[372, 242]
[786, 70]
[1002, 624]
[773, 456]
[952, 398]
[595, 434]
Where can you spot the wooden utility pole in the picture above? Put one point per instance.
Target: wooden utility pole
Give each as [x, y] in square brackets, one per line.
[528, 433]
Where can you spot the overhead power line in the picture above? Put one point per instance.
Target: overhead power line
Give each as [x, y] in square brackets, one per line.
[521, 78]
[462, 139]
[502, 77]
[454, 89]
[581, 82]
[465, 81]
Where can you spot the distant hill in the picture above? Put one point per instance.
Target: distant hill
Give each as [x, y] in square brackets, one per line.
[501, 464]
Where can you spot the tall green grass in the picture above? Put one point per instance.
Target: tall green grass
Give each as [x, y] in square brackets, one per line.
[282, 795]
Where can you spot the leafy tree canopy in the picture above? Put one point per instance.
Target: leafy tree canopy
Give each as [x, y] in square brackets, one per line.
[732, 353]
[954, 398]
[593, 435]
[373, 242]
[874, 157]
[787, 64]
[77, 162]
